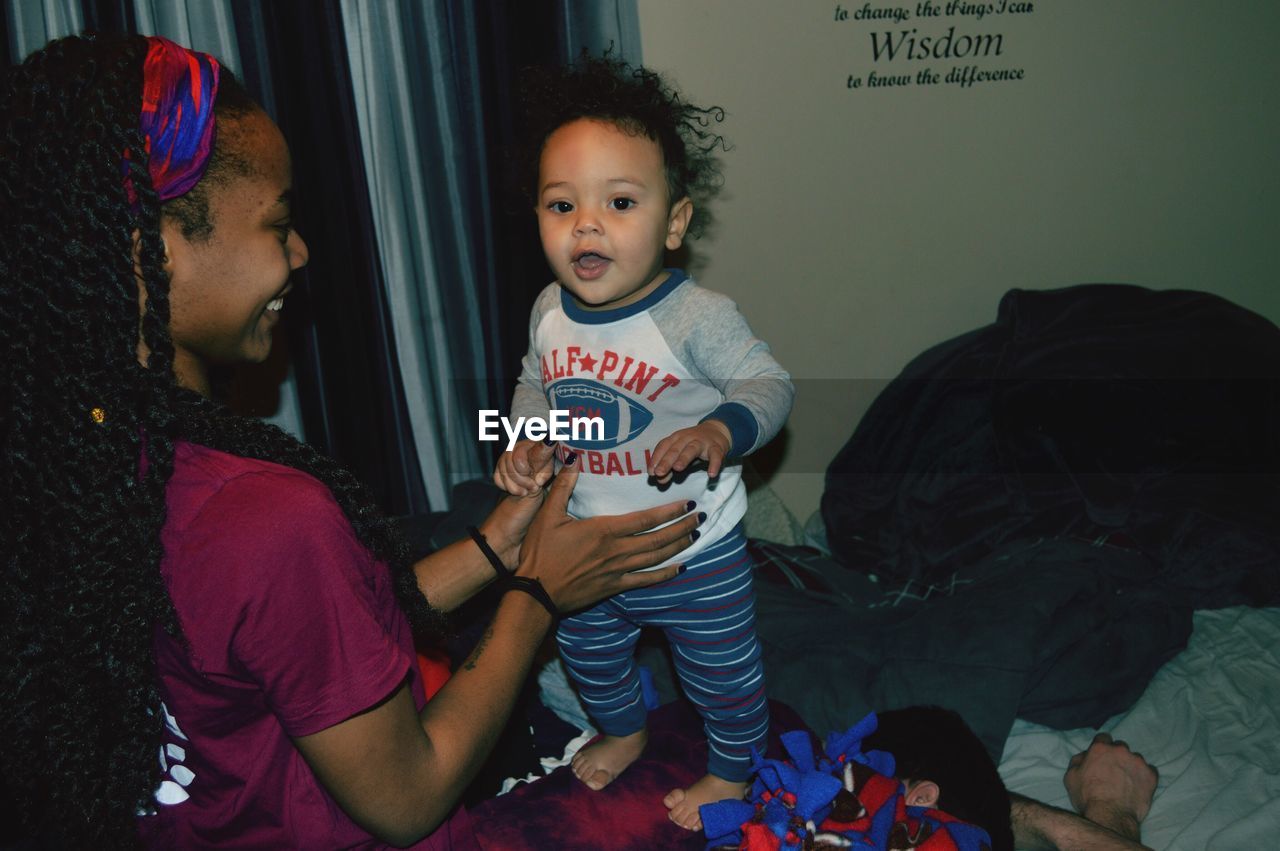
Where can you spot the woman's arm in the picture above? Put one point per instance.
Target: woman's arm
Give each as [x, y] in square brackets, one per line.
[451, 576]
[399, 774]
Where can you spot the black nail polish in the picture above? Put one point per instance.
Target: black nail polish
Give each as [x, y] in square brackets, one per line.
[690, 506]
[547, 441]
[702, 518]
[570, 459]
[681, 569]
[695, 535]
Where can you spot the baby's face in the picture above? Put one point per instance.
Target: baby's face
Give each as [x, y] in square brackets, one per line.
[604, 215]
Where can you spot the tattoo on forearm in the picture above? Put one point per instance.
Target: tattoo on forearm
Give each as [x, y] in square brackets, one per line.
[470, 664]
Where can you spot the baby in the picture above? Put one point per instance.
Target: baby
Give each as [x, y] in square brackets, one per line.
[681, 386]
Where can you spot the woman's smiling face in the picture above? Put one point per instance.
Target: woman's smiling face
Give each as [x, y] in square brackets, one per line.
[226, 290]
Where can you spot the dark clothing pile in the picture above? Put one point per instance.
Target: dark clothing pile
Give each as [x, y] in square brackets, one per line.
[1041, 503]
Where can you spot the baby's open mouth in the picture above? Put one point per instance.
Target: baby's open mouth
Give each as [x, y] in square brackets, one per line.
[589, 260]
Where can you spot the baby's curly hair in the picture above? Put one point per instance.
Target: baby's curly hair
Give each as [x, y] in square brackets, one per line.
[637, 101]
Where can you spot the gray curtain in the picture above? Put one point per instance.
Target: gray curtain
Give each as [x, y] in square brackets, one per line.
[34, 23]
[413, 71]
[600, 25]
[415, 76]
[204, 25]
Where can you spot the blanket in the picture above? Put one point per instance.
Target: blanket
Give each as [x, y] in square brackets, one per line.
[1097, 411]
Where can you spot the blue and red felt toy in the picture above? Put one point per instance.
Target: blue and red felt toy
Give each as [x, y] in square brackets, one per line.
[841, 798]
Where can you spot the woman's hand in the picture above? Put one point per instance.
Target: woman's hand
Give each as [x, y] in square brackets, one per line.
[580, 562]
[505, 528]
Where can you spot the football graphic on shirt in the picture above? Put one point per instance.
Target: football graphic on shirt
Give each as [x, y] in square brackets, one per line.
[623, 418]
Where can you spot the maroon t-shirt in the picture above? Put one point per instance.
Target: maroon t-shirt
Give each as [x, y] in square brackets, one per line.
[292, 627]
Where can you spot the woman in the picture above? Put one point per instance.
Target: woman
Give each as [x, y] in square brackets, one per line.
[204, 629]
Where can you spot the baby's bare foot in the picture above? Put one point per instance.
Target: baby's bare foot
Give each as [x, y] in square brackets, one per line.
[684, 803]
[600, 763]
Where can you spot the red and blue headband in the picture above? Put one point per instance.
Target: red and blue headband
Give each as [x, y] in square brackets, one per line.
[178, 91]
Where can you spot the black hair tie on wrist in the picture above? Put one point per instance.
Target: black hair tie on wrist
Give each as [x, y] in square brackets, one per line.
[534, 589]
[498, 566]
[508, 578]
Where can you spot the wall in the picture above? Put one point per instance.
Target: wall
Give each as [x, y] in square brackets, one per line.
[858, 226]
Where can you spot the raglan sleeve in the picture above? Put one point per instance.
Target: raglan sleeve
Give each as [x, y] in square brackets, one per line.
[758, 392]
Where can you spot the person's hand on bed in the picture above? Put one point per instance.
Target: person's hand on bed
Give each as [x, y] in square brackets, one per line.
[1111, 785]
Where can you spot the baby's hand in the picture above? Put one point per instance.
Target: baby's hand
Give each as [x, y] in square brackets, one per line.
[525, 468]
[709, 441]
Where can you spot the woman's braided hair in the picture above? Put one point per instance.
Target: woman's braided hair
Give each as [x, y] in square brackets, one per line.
[80, 511]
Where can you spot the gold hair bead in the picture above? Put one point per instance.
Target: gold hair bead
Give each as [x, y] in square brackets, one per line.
[98, 415]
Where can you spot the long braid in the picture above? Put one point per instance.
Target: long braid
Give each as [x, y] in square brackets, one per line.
[81, 592]
[81, 584]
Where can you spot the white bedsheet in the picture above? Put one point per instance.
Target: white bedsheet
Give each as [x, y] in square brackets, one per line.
[1209, 721]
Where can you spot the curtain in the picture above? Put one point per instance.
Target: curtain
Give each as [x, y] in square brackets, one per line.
[434, 85]
[30, 25]
[411, 105]
[202, 24]
[339, 322]
[205, 25]
[416, 79]
[599, 25]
